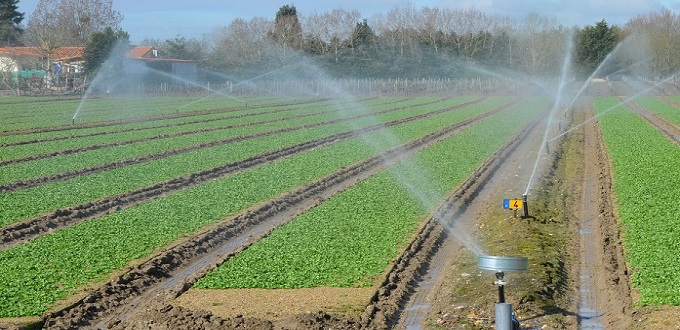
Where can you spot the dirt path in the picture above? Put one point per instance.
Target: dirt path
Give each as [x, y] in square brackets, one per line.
[594, 290]
[151, 285]
[604, 293]
[501, 181]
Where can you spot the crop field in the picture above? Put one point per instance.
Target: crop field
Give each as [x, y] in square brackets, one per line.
[113, 206]
[647, 184]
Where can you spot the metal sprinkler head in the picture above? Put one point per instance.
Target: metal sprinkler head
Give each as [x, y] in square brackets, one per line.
[505, 319]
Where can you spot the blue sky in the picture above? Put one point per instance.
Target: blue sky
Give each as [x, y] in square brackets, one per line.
[165, 19]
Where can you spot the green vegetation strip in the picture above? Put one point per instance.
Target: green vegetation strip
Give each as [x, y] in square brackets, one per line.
[661, 108]
[220, 126]
[221, 111]
[32, 202]
[350, 239]
[38, 273]
[39, 114]
[647, 186]
[54, 165]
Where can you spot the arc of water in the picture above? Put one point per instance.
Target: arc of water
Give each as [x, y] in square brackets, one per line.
[614, 107]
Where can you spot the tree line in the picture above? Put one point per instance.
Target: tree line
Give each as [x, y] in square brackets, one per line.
[404, 42]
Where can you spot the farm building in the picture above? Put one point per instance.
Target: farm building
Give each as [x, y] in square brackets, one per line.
[33, 66]
[29, 68]
[145, 60]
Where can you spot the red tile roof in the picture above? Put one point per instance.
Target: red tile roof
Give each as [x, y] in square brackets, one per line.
[139, 52]
[68, 53]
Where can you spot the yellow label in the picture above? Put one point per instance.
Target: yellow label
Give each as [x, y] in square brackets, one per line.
[516, 204]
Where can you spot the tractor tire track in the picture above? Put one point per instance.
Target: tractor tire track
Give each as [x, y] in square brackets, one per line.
[68, 175]
[151, 285]
[20, 232]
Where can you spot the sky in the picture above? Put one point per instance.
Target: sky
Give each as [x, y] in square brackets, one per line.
[166, 19]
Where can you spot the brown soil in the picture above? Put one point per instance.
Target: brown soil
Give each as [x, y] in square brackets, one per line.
[277, 304]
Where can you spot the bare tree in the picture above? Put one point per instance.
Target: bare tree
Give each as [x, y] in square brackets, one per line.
[661, 31]
[242, 45]
[334, 29]
[540, 45]
[58, 23]
[398, 29]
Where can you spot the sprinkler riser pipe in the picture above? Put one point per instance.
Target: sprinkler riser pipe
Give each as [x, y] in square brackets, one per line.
[503, 314]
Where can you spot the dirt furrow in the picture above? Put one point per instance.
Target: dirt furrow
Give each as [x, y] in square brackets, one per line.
[151, 285]
[105, 123]
[604, 284]
[178, 134]
[402, 301]
[59, 138]
[17, 233]
[25, 184]
[671, 131]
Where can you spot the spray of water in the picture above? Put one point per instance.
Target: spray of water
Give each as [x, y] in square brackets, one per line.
[558, 102]
[615, 106]
[592, 75]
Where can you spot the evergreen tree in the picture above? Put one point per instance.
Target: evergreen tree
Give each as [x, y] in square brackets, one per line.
[107, 47]
[10, 20]
[363, 34]
[593, 44]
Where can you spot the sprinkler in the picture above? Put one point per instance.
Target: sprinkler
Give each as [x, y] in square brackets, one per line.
[525, 205]
[505, 318]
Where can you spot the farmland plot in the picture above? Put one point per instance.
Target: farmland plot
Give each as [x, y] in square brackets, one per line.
[646, 185]
[133, 233]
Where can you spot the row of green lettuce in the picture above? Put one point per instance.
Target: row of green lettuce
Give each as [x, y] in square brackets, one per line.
[661, 108]
[350, 239]
[646, 167]
[32, 202]
[38, 273]
[193, 120]
[72, 161]
[54, 112]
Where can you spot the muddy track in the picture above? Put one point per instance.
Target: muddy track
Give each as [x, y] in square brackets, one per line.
[59, 138]
[20, 232]
[153, 284]
[604, 285]
[671, 101]
[143, 119]
[25, 184]
[178, 134]
[670, 130]
[389, 306]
